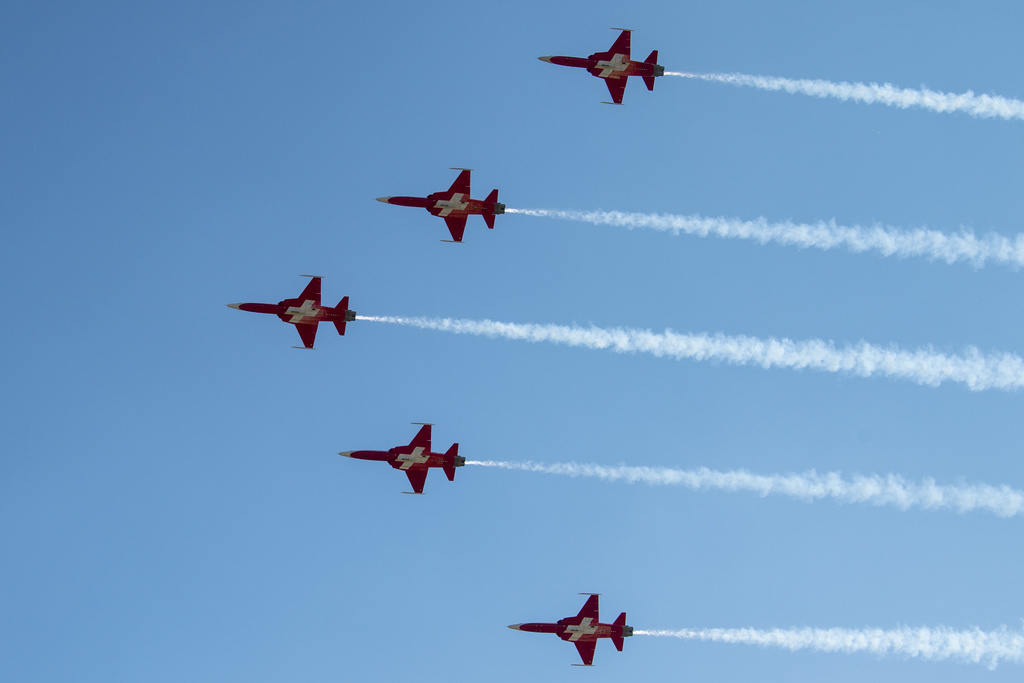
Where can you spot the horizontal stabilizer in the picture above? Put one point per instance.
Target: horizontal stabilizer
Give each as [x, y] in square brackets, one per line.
[450, 473]
[489, 220]
[652, 58]
[649, 82]
[617, 639]
[342, 308]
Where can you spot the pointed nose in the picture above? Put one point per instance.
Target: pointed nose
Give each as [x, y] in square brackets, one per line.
[235, 306]
[346, 454]
[386, 200]
[515, 627]
[545, 59]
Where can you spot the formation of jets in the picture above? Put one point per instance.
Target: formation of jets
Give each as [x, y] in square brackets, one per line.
[455, 205]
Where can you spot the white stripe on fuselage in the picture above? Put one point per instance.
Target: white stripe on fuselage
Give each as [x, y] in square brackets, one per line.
[584, 628]
[453, 204]
[611, 66]
[298, 314]
[417, 457]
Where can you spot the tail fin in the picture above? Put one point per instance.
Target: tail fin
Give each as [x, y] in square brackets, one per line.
[617, 640]
[340, 324]
[489, 217]
[649, 80]
[449, 458]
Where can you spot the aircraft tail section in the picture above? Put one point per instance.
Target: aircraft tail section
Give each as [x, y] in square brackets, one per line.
[651, 59]
[618, 639]
[498, 208]
[348, 315]
[451, 461]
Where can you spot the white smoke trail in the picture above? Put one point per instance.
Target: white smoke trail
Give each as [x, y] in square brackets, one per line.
[973, 646]
[886, 240]
[999, 371]
[809, 486]
[983, 106]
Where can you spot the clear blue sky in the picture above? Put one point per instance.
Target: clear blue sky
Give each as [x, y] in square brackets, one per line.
[172, 506]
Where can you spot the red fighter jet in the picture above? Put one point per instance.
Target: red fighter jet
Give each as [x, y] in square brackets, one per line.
[584, 629]
[615, 66]
[416, 458]
[305, 312]
[454, 205]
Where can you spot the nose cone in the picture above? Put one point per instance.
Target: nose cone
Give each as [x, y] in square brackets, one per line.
[548, 60]
[386, 200]
[346, 454]
[515, 627]
[235, 306]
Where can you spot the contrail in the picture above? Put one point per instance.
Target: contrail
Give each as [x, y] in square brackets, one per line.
[982, 106]
[809, 486]
[974, 646]
[978, 372]
[885, 240]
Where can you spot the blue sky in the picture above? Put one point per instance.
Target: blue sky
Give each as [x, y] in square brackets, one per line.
[172, 505]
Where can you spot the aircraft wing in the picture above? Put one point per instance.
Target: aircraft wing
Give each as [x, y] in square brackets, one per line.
[621, 45]
[416, 479]
[308, 330]
[617, 88]
[422, 439]
[311, 292]
[456, 226]
[461, 185]
[586, 650]
[590, 609]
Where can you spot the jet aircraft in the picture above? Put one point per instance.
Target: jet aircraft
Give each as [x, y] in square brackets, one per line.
[416, 458]
[454, 205]
[305, 312]
[584, 629]
[615, 66]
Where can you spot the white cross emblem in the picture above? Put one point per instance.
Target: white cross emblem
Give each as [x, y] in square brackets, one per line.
[616, 63]
[308, 309]
[414, 458]
[453, 204]
[584, 628]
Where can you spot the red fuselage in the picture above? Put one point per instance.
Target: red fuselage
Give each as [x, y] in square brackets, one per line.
[296, 311]
[603, 65]
[573, 629]
[445, 204]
